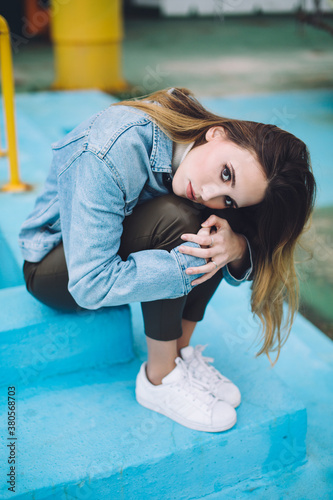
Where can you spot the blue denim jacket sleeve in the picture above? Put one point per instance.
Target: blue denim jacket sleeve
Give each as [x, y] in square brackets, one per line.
[237, 281]
[97, 275]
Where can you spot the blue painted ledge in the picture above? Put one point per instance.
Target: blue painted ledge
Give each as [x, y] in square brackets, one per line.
[40, 342]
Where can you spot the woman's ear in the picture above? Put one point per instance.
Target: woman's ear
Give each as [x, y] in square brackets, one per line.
[215, 132]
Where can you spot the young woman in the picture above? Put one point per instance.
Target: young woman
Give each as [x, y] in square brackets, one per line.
[155, 201]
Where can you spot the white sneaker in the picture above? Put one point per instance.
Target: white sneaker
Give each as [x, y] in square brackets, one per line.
[218, 384]
[185, 400]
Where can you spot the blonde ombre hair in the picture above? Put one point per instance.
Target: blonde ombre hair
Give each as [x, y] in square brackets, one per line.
[279, 219]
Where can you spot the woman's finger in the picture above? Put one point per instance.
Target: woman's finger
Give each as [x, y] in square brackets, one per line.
[204, 253]
[206, 268]
[203, 278]
[204, 231]
[202, 240]
[216, 221]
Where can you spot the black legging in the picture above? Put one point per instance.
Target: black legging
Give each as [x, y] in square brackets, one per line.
[156, 224]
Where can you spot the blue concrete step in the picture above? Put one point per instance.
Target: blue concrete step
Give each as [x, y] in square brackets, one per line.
[84, 436]
[10, 271]
[37, 341]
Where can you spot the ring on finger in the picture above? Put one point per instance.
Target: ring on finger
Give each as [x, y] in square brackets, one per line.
[212, 242]
[214, 263]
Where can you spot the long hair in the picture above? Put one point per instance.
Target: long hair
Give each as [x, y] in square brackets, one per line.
[279, 219]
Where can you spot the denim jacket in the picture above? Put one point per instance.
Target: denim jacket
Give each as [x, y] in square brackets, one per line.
[99, 172]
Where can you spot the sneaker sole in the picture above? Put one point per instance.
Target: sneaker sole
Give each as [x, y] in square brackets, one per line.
[184, 421]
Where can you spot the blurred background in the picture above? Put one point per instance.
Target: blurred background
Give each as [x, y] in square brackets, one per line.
[266, 60]
[81, 432]
[214, 47]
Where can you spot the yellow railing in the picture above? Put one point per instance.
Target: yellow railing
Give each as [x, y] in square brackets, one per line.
[7, 82]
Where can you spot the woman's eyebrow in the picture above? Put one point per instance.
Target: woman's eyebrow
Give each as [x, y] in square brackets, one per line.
[233, 177]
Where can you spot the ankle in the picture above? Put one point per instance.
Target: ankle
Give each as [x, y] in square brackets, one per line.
[181, 346]
[155, 376]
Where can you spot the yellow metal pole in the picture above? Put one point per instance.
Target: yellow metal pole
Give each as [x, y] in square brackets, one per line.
[7, 81]
[87, 38]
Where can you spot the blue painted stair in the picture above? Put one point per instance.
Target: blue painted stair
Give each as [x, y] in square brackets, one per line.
[37, 341]
[81, 433]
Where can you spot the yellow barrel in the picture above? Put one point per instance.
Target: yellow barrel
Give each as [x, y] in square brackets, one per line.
[87, 38]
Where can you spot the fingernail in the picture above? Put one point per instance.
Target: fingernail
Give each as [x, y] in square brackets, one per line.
[183, 237]
[189, 271]
[181, 249]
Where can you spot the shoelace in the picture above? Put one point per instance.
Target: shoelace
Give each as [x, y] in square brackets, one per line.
[210, 376]
[204, 395]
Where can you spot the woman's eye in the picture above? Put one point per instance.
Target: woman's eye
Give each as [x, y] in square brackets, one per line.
[226, 175]
[228, 201]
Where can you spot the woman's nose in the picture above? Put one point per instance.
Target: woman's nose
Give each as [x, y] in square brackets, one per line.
[209, 191]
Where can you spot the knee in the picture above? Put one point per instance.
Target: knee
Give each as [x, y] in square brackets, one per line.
[179, 214]
[158, 224]
[175, 216]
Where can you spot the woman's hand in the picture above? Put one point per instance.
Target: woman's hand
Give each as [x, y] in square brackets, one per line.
[219, 246]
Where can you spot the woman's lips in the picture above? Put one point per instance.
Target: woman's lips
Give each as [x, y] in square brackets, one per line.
[190, 193]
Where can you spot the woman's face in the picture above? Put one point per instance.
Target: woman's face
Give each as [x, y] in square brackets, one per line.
[220, 174]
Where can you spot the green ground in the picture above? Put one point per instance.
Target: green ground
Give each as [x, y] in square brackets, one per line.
[217, 57]
[317, 273]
